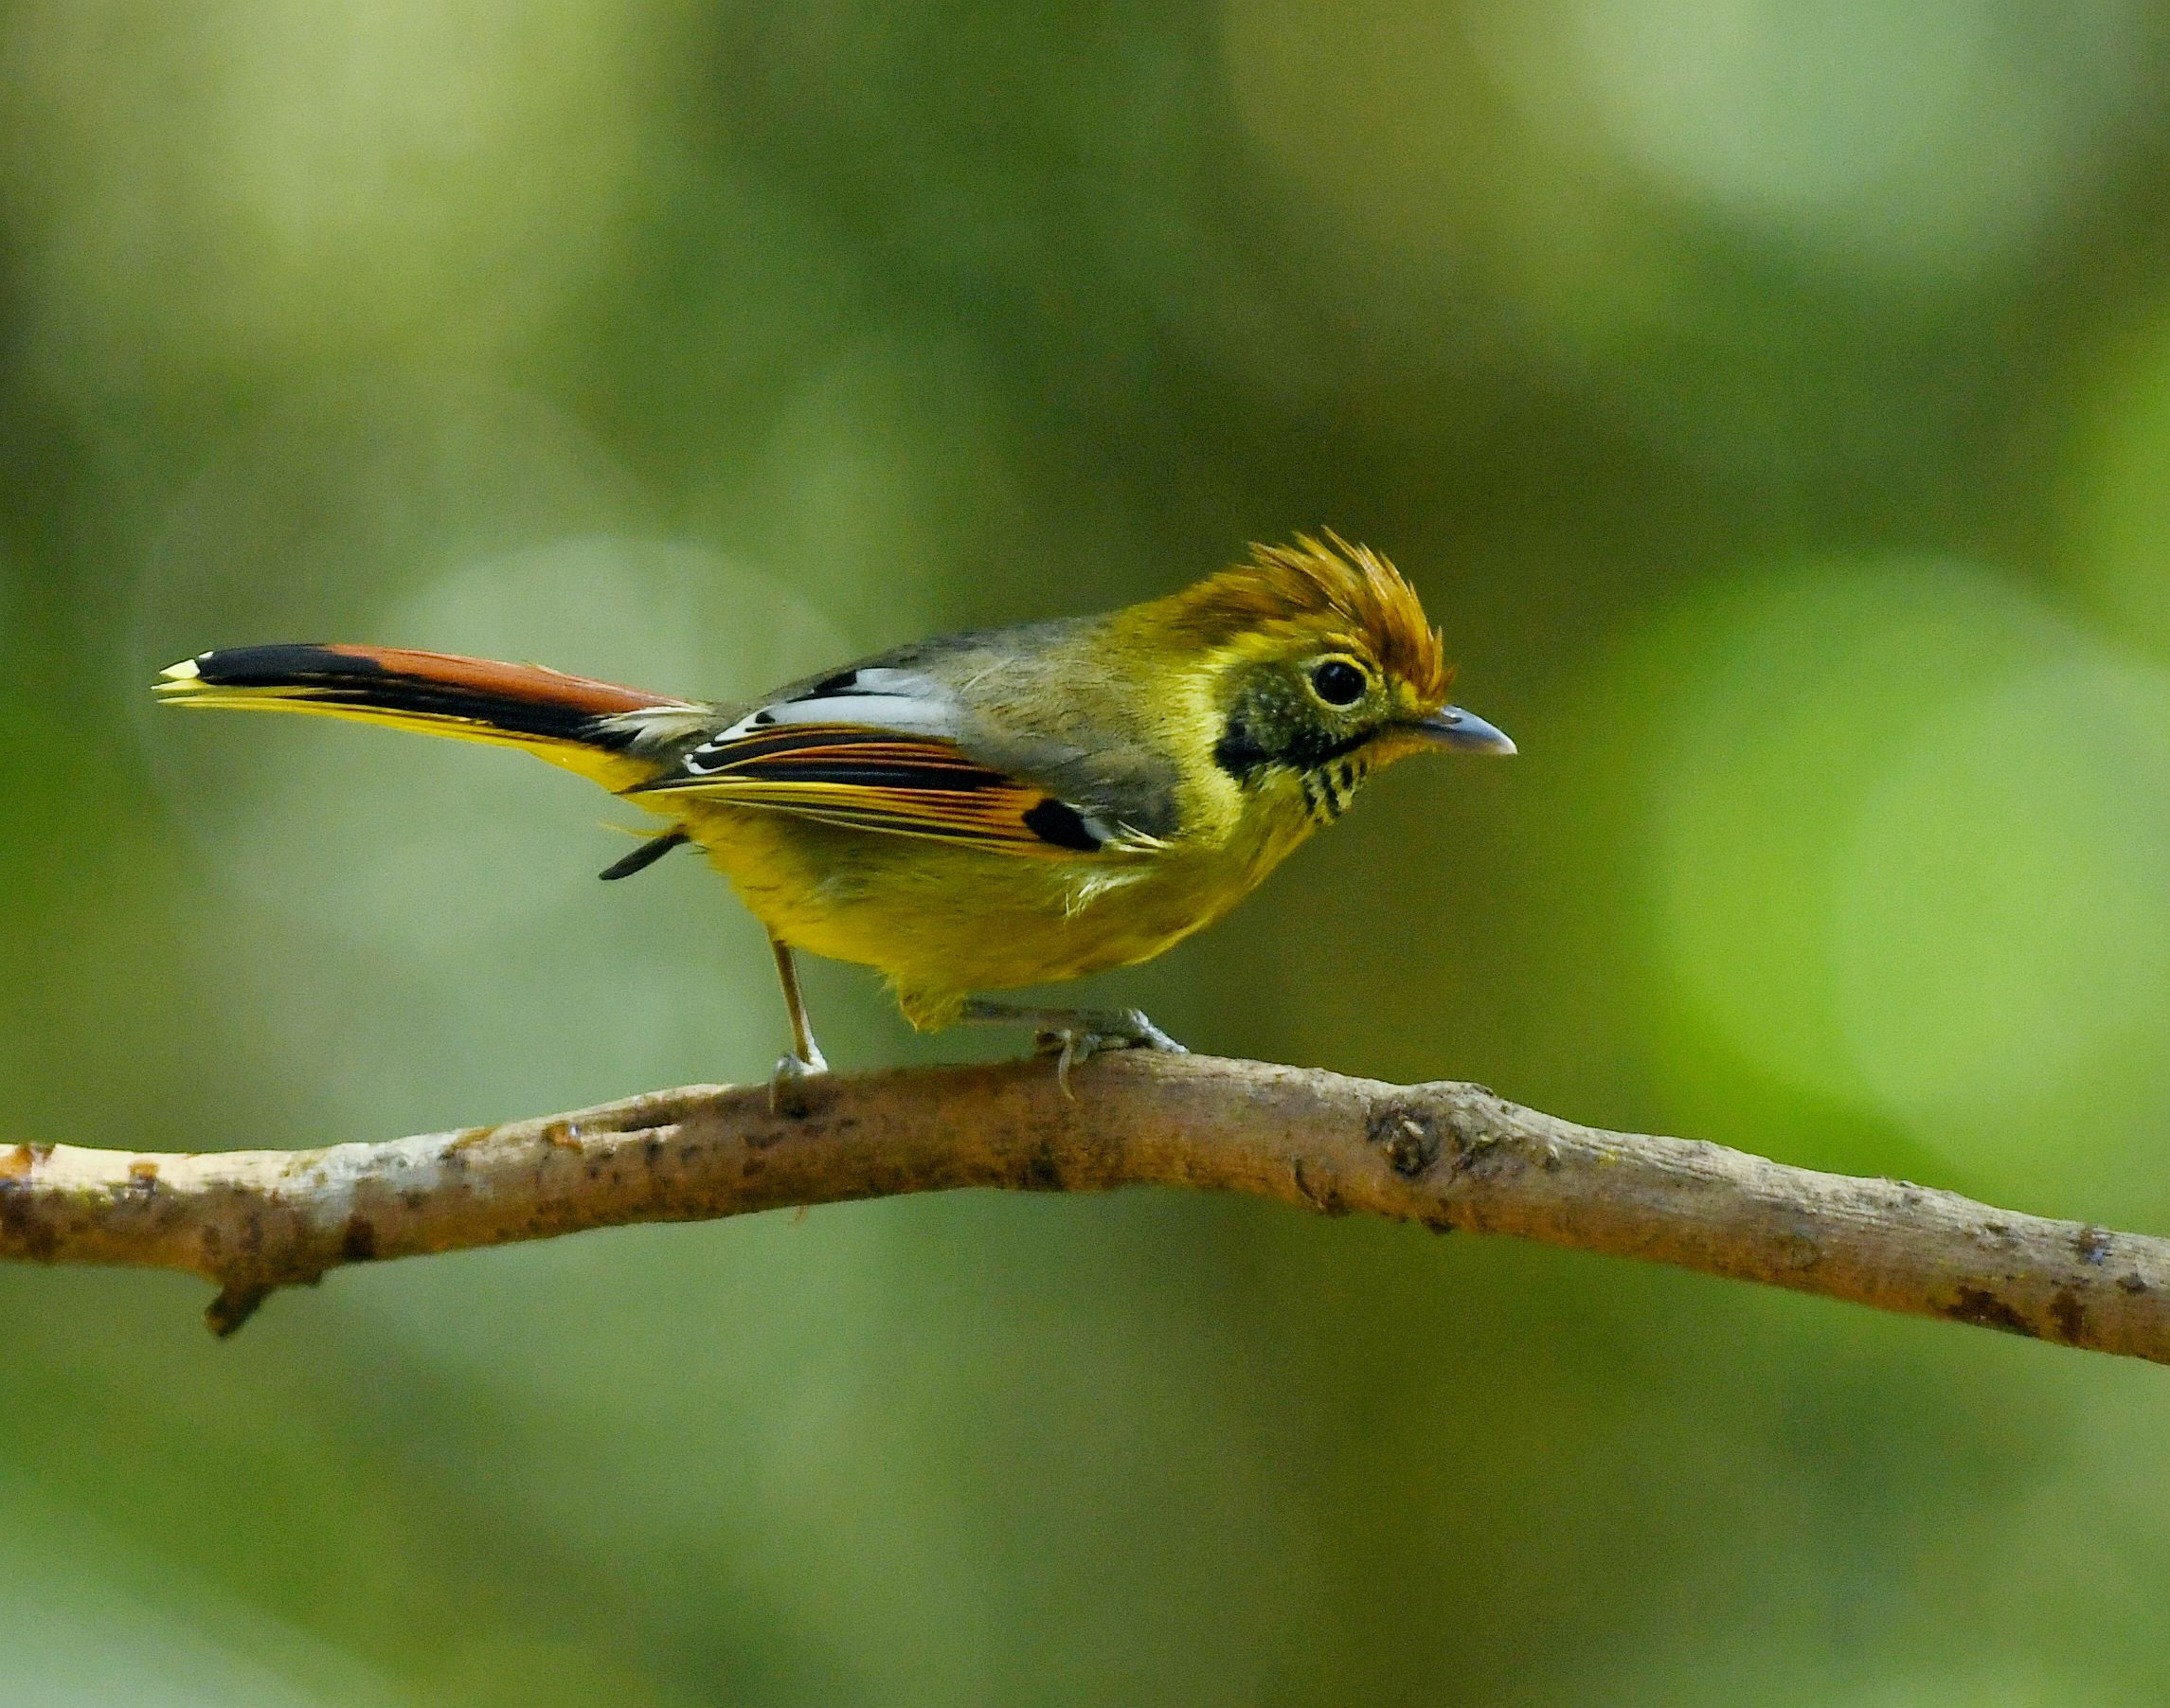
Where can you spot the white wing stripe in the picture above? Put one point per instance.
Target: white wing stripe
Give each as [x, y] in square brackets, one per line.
[876, 700]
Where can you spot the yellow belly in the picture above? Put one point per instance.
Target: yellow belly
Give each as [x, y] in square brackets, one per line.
[942, 920]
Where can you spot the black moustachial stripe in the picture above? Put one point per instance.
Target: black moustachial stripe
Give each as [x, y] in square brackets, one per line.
[1239, 752]
[1243, 755]
[1062, 825]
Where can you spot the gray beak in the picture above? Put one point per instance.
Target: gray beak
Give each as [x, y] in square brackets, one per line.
[1464, 732]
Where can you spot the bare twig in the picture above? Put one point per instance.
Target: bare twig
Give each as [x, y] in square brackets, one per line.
[1445, 1155]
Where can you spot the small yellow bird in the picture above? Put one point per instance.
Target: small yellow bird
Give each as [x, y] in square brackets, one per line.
[981, 811]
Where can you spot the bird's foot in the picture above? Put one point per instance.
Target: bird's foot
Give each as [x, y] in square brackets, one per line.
[787, 1084]
[1074, 1035]
[1092, 1030]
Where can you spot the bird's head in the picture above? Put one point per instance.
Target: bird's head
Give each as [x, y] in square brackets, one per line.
[1321, 668]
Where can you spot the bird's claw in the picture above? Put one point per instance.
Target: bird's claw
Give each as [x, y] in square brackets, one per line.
[1119, 1029]
[787, 1084]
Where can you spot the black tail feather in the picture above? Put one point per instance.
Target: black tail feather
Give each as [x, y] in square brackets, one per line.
[515, 699]
[641, 858]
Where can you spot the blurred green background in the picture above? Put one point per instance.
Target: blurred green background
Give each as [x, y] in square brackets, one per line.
[1771, 399]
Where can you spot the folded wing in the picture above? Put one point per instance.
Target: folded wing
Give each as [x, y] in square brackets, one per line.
[882, 749]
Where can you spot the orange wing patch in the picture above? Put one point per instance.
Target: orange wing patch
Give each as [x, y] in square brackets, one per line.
[877, 779]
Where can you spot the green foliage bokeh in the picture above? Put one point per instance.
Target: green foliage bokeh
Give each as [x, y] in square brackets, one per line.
[1771, 399]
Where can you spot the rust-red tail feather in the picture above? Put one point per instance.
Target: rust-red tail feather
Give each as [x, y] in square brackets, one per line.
[586, 725]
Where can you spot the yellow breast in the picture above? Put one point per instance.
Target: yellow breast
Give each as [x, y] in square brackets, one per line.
[942, 920]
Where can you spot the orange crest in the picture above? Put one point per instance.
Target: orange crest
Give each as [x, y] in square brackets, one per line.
[1347, 593]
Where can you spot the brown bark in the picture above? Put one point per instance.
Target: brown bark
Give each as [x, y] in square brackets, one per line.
[1446, 1155]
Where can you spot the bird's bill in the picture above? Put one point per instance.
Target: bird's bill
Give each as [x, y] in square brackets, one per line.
[1464, 732]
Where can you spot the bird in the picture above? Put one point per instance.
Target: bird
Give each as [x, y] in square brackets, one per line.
[979, 811]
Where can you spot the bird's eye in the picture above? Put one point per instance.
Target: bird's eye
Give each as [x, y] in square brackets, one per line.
[1339, 682]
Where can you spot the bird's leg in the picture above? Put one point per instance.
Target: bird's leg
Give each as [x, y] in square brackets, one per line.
[787, 1084]
[1074, 1035]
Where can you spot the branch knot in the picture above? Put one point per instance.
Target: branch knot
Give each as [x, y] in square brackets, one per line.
[1409, 1136]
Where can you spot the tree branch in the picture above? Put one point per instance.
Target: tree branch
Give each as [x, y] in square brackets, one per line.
[1446, 1155]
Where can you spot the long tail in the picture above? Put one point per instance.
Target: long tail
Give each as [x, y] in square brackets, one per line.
[600, 730]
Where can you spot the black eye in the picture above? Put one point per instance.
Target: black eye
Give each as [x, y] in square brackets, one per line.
[1339, 682]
